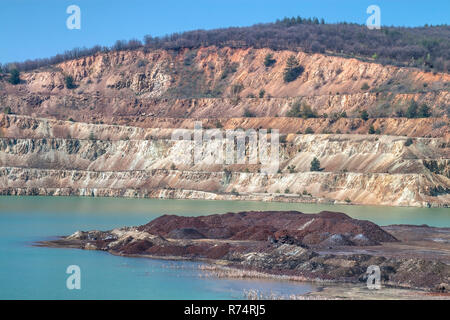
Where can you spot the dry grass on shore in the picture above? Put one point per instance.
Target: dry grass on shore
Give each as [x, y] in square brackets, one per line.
[254, 294]
[229, 272]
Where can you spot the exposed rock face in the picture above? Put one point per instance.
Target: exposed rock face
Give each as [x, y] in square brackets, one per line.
[310, 229]
[14, 126]
[199, 83]
[132, 101]
[323, 246]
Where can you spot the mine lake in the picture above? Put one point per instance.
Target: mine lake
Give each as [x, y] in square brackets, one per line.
[32, 272]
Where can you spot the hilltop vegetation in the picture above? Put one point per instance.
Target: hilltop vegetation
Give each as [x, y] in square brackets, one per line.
[426, 47]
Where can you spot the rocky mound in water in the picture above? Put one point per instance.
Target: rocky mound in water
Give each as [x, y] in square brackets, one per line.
[324, 228]
[324, 246]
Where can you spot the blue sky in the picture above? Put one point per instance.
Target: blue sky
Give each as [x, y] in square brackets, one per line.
[37, 28]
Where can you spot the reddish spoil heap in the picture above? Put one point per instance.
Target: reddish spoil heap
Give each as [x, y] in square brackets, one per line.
[327, 245]
[324, 228]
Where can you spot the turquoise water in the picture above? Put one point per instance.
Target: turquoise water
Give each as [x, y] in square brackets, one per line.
[29, 272]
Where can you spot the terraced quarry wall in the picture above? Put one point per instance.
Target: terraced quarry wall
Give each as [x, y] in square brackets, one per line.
[127, 104]
[104, 160]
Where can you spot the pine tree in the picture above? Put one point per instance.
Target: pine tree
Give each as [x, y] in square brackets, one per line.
[269, 60]
[364, 115]
[69, 82]
[292, 70]
[15, 77]
[412, 110]
[309, 130]
[315, 164]
[424, 111]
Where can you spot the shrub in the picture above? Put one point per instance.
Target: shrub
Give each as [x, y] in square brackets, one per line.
[309, 131]
[69, 82]
[292, 69]
[371, 129]
[439, 124]
[7, 110]
[414, 111]
[335, 116]
[315, 165]
[248, 113]
[262, 92]
[364, 115]
[400, 113]
[142, 63]
[299, 110]
[236, 89]
[433, 166]
[14, 77]
[227, 173]
[408, 142]
[424, 111]
[229, 68]
[365, 86]
[411, 112]
[269, 60]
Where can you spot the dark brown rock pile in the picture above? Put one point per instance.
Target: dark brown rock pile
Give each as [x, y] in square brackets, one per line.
[324, 228]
